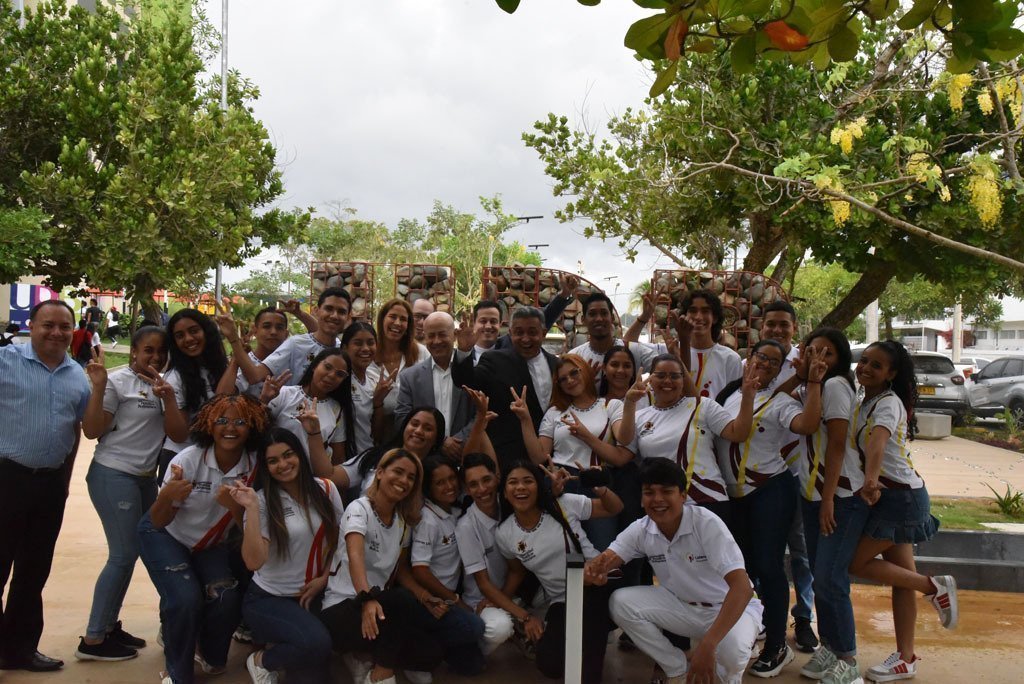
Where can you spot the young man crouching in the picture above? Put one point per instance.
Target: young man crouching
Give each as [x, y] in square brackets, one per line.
[703, 590]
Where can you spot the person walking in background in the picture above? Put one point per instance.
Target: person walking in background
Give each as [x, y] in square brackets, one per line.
[113, 330]
[126, 417]
[44, 393]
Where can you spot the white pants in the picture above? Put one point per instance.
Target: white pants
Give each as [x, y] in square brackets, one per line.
[642, 612]
[497, 628]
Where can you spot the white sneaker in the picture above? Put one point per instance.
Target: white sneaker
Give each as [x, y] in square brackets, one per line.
[893, 668]
[165, 678]
[945, 600]
[259, 674]
[819, 664]
[418, 677]
[209, 669]
[370, 680]
[359, 669]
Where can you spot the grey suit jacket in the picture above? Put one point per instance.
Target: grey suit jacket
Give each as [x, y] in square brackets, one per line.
[417, 389]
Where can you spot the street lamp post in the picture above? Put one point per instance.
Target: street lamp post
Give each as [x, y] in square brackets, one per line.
[492, 239]
[219, 276]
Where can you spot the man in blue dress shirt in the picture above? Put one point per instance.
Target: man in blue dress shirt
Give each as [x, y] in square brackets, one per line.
[43, 394]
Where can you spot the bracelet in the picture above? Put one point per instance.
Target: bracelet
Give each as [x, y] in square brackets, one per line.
[312, 433]
[813, 382]
[364, 596]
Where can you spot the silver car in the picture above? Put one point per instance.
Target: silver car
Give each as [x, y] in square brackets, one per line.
[940, 386]
[998, 386]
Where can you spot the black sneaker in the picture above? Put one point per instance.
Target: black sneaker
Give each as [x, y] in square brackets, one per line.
[771, 664]
[124, 638]
[806, 640]
[107, 650]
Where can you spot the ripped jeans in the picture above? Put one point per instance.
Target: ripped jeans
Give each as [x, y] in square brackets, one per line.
[120, 500]
[200, 599]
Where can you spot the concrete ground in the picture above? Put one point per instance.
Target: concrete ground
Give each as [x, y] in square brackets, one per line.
[985, 648]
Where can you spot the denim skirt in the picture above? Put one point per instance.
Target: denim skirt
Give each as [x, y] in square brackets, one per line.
[902, 516]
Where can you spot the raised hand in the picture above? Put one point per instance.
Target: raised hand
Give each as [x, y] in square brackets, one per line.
[638, 391]
[244, 496]
[272, 386]
[576, 428]
[647, 302]
[225, 322]
[384, 386]
[177, 488]
[291, 306]
[682, 324]
[518, 405]
[161, 388]
[559, 477]
[480, 400]
[750, 384]
[569, 284]
[97, 369]
[309, 418]
[465, 336]
[816, 365]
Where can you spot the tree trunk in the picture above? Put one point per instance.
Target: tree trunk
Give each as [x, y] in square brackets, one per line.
[888, 327]
[782, 268]
[766, 241]
[871, 284]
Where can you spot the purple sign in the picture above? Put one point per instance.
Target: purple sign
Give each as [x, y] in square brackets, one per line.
[24, 297]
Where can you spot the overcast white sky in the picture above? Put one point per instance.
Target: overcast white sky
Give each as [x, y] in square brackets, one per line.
[389, 105]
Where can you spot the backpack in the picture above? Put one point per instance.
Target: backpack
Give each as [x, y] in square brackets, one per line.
[115, 316]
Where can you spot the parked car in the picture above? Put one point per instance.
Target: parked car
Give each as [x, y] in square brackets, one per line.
[940, 386]
[969, 365]
[998, 386]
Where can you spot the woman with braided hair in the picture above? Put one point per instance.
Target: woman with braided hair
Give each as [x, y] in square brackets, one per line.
[880, 429]
[185, 538]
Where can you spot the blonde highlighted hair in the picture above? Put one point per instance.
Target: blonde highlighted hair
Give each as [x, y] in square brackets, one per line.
[410, 508]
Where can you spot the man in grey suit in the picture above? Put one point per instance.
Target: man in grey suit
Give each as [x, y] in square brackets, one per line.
[429, 383]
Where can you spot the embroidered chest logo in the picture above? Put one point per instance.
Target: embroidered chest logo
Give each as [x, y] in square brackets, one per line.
[647, 428]
[446, 540]
[700, 558]
[521, 546]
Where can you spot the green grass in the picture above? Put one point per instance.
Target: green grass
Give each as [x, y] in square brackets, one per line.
[114, 359]
[968, 513]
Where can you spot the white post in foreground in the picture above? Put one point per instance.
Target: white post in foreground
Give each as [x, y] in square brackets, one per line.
[958, 331]
[573, 618]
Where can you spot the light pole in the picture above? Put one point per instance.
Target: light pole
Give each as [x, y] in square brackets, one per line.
[219, 276]
[535, 247]
[491, 239]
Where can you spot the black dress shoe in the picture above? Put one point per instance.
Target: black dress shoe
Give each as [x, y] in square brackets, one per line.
[36, 662]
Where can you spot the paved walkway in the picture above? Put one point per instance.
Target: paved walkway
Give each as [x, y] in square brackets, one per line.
[986, 648]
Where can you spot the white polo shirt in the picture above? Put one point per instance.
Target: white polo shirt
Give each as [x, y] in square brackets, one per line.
[808, 455]
[288, 404]
[362, 408]
[132, 442]
[295, 354]
[542, 550]
[200, 521]
[174, 379]
[886, 410]
[693, 564]
[642, 353]
[304, 560]
[434, 544]
[475, 532]
[599, 418]
[382, 545]
[685, 433]
[714, 368]
[750, 464]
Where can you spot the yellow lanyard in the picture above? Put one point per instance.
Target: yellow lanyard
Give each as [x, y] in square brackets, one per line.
[741, 476]
[694, 425]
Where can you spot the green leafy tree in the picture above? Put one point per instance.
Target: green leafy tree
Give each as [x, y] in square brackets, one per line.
[814, 32]
[113, 132]
[876, 165]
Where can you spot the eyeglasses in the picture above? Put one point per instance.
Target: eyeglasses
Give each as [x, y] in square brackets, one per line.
[574, 374]
[665, 375]
[764, 358]
[237, 422]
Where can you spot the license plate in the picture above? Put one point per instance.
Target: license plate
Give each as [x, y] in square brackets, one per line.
[925, 390]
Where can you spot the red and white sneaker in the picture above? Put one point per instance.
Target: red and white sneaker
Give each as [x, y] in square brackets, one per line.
[945, 601]
[892, 669]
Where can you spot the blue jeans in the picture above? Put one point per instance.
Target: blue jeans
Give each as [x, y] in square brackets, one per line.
[800, 566]
[298, 643]
[761, 522]
[200, 599]
[830, 557]
[460, 632]
[120, 500]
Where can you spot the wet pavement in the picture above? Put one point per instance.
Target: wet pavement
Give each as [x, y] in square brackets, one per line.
[987, 647]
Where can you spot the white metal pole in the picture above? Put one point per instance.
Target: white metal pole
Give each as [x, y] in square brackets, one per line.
[872, 322]
[20, 6]
[574, 618]
[219, 277]
[958, 331]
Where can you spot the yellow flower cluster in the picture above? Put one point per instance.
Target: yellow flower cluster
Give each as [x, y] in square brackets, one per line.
[920, 169]
[845, 135]
[985, 198]
[955, 88]
[985, 102]
[1007, 91]
[840, 209]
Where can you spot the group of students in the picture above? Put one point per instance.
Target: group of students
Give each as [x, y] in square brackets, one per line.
[305, 501]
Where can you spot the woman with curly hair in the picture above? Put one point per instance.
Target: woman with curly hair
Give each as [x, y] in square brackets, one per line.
[397, 349]
[184, 538]
[196, 363]
[880, 429]
[290, 536]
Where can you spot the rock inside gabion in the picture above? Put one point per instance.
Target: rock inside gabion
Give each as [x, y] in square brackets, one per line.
[355, 277]
[743, 294]
[426, 281]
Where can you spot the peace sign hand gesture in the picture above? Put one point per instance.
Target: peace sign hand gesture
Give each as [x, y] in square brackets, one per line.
[465, 336]
[272, 386]
[309, 418]
[518, 405]
[225, 322]
[750, 384]
[576, 428]
[816, 365]
[384, 386]
[638, 391]
[97, 369]
[161, 388]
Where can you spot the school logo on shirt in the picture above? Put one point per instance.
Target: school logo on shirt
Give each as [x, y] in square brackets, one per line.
[373, 543]
[697, 559]
[310, 356]
[647, 428]
[521, 546]
[446, 540]
[202, 487]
